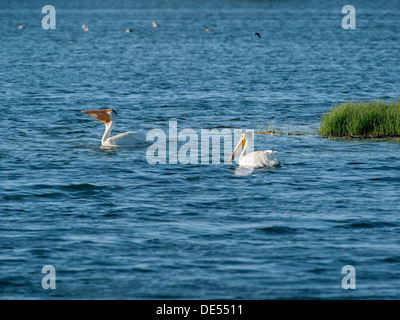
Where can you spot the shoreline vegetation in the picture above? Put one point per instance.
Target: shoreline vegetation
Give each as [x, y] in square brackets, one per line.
[363, 119]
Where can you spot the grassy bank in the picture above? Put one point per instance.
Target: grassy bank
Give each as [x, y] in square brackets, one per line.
[362, 119]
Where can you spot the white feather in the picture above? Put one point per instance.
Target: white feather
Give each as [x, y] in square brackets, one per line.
[130, 138]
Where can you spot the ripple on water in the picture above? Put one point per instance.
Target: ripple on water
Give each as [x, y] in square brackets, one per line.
[278, 230]
[367, 224]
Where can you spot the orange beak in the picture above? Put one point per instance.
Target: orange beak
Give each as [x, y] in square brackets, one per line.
[239, 146]
[101, 115]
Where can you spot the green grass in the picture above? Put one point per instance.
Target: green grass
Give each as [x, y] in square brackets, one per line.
[362, 119]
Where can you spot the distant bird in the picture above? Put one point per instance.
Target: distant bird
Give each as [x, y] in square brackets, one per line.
[258, 35]
[129, 30]
[207, 29]
[86, 29]
[83, 26]
[267, 158]
[155, 24]
[21, 26]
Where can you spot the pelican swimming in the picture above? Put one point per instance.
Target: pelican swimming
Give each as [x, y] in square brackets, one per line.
[267, 158]
[109, 117]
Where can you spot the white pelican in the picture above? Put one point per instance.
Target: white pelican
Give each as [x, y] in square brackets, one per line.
[155, 24]
[256, 158]
[109, 117]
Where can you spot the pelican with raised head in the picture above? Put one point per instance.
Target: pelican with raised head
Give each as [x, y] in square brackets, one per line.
[267, 158]
[109, 117]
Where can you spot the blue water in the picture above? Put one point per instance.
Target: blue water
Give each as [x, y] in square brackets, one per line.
[115, 227]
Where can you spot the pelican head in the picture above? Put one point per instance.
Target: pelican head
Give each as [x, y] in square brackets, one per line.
[105, 115]
[244, 141]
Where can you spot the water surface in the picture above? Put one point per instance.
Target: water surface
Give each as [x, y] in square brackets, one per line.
[116, 227]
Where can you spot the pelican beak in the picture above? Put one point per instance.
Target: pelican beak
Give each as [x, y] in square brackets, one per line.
[101, 115]
[239, 147]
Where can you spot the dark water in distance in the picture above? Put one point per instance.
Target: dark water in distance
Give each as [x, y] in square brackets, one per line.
[115, 227]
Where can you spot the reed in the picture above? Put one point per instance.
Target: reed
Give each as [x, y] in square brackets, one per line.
[370, 119]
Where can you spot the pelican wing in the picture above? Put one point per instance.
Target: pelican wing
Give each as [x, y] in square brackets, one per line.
[130, 138]
[267, 158]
